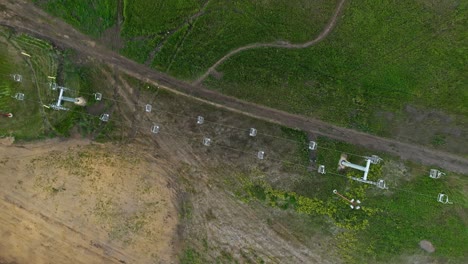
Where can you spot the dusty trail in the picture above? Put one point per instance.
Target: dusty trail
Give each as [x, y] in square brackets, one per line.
[278, 44]
[24, 16]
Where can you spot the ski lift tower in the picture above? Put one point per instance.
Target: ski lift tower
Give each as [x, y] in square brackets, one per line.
[58, 106]
[344, 163]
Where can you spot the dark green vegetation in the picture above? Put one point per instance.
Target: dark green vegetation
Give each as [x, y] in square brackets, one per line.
[33, 120]
[90, 16]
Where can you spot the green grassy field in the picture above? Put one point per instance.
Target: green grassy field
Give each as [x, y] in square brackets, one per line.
[148, 23]
[383, 60]
[389, 228]
[407, 213]
[225, 26]
[32, 120]
[90, 16]
[27, 122]
[391, 223]
[193, 34]
[382, 56]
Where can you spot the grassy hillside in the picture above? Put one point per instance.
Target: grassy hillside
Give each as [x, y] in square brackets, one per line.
[90, 16]
[32, 118]
[383, 58]
[388, 68]
[27, 122]
[223, 26]
[226, 182]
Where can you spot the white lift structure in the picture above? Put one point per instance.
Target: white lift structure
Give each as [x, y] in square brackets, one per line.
[443, 198]
[436, 174]
[321, 169]
[369, 160]
[58, 106]
[19, 96]
[252, 132]
[312, 145]
[148, 108]
[155, 129]
[207, 141]
[200, 120]
[17, 77]
[104, 117]
[261, 154]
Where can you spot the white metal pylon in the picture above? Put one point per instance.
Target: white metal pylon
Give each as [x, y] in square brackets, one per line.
[148, 108]
[104, 117]
[252, 132]
[155, 129]
[19, 96]
[435, 174]
[261, 154]
[17, 77]
[200, 120]
[321, 169]
[207, 141]
[312, 145]
[98, 96]
[443, 198]
[374, 159]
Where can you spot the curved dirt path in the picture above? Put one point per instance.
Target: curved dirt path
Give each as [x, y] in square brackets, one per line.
[278, 44]
[24, 16]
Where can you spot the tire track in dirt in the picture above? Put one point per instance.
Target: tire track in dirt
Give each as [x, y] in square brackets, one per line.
[51, 230]
[277, 44]
[25, 17]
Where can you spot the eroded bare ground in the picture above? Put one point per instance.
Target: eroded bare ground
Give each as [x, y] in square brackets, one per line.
[76, 201]
[215, 222]
[147, 198]
[80, 202]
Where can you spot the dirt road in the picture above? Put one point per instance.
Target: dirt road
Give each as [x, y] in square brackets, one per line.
[24, 16]
[284, 45]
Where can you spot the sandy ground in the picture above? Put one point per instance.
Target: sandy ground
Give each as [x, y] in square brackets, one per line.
[80, 202]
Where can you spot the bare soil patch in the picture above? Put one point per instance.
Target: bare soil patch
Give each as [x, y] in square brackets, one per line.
[86, 202]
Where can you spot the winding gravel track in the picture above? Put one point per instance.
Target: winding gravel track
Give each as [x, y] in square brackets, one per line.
[24, 16]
